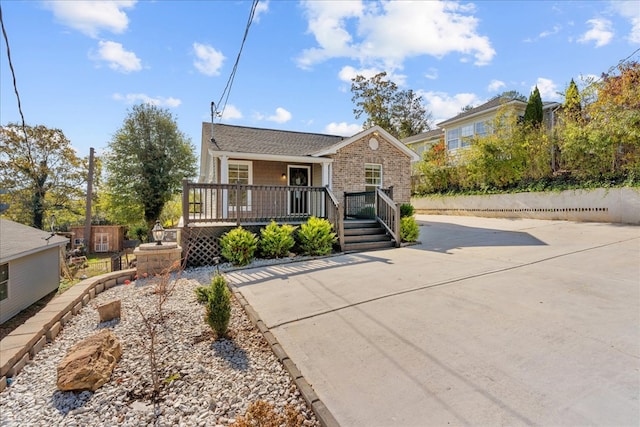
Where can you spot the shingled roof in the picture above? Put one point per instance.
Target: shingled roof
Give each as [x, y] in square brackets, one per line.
[20, 240]
[240, 139]
[487, 106]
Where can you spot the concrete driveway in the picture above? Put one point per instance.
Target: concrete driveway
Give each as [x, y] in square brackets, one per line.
[487, 322]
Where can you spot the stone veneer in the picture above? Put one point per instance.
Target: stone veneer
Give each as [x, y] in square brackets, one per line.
[22, 344]
[154, 259]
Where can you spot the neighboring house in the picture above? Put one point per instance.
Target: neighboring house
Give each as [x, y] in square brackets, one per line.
[370, 159]
[476, 122]
[29, 266]
[422, 142]
[104, 238]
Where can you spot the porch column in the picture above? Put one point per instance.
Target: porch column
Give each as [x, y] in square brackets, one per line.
[224, 179]
[326, 174]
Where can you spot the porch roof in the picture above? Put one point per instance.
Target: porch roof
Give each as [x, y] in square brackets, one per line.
[265, 142]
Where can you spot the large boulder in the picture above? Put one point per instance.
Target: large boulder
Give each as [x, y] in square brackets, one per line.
[88, 364]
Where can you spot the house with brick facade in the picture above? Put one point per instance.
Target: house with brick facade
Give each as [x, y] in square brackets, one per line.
[250, 176]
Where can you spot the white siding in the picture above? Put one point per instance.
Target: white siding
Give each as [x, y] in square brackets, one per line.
[30, 278]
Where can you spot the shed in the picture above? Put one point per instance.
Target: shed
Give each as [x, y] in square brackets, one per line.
[104, 238]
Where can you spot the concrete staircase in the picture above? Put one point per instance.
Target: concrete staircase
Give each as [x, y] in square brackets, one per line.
[365, 235]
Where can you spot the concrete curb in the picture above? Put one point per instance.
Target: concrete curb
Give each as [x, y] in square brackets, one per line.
[22, 344]
[308, 394]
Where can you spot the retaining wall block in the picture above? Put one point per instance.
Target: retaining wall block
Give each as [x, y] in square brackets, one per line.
[15, 369]
[53, 332]
[85, 299]
[38, 346]
[66, 317]
[110, 283]
[76, 308]
[99, 288]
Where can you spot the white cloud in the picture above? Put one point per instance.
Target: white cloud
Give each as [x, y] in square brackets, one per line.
[90, 17]
[432, 73]
[261, 8]
[443, 106]
[629, 10]
[231, 113]
[342, 129]
[600, 32]
[556, 29]
[548, 89]
[385, 34]
[137, 98]
[495, 85]
[209, 60]
[118, 58]
[281, 116]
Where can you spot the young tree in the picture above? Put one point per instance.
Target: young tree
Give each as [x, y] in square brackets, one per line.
[533, 112]
[572, 106]
[41, 171]
[147, 160]
[399, 112]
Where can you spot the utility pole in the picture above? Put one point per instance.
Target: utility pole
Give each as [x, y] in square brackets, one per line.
[87, 220]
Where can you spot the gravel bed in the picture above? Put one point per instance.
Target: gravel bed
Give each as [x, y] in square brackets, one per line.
[204, 382]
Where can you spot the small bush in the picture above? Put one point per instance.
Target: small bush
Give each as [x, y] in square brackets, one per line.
[239, 246]
[276, 241]
[406, 209]
[218, 305]
[316, 237]
[409, 230]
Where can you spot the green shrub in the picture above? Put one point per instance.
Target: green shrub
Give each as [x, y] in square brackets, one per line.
[316, 237]
[406, 209]
[409, 230]
[239, 246]
[276, 241]
[218, 305]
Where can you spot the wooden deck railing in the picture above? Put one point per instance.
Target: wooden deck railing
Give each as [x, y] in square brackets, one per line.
[388, 214]
[237, 203]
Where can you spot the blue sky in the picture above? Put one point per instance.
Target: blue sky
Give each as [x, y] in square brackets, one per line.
[81, 65]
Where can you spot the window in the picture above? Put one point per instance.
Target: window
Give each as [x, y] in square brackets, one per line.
[240, 172]
[466, 132]
[453, 138]
[372, 176]
[4, 281]
[480, 129]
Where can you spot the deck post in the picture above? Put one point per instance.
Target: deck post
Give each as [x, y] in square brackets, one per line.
[185, 202]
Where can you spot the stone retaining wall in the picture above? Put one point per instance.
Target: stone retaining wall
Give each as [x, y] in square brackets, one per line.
[22, 344]
[614, 205]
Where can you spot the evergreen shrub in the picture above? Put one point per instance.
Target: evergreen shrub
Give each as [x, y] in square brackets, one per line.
[239, 246]
[218, 305]
[409, 230]
[406, 209]
[315, 237]
[276, 241]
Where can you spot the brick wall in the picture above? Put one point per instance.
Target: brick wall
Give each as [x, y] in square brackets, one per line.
[349, 161]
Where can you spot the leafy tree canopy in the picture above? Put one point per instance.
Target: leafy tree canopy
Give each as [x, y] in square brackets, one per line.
[399, 112]
[511, 94]
[42, 173]
[147, 160]
[572, 103]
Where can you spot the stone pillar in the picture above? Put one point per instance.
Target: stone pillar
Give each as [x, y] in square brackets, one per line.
[157, 259]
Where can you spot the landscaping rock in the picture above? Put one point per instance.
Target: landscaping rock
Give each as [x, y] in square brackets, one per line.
[88, 364]
[109, 310]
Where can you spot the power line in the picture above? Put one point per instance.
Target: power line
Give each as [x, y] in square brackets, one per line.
[227, 88]
[13, 74]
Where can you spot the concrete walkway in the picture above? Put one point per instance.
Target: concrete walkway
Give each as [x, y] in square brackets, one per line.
[487, 322]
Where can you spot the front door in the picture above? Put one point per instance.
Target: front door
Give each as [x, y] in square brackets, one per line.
[299, 197]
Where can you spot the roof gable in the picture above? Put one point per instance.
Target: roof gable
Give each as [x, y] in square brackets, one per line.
[487, 107]
[370, 131]
[19, 240]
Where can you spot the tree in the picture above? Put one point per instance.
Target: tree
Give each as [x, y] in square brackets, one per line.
[399, 112]
[572, 105]
[42, 172]
[147, 160]
[511, 94]
[533, 112]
